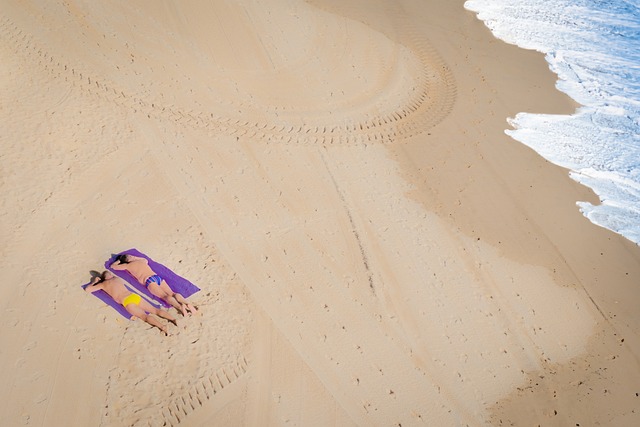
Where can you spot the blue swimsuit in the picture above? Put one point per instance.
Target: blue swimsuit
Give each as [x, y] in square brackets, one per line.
[153, 279]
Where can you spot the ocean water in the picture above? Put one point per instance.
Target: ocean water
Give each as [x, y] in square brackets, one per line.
[594, 48]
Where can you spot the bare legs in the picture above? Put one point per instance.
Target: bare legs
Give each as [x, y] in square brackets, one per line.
[190, 307]
[174, 299]
[140, 311]
[165, 315]
[154, 322]
[174, 303]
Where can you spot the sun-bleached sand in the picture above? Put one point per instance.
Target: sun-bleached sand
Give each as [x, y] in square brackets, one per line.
[372, 249]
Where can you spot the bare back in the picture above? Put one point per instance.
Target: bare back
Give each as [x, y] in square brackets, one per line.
[139, 269]
[116, 289]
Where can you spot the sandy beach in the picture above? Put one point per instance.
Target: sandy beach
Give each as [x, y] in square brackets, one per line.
[372, 249]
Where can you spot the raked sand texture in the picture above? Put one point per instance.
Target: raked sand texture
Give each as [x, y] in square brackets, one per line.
[372, 249]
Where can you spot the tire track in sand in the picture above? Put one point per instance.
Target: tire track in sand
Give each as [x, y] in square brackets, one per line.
[431, 99]
[202, 392]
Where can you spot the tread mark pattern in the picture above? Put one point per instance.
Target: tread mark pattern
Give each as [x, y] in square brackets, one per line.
[201, 392]
[432, 101]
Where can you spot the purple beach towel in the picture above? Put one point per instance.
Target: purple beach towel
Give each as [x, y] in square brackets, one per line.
[175, 282]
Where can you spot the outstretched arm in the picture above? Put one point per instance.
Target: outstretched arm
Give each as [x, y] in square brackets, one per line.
[95, 285]
[117, 266]
[133, 258]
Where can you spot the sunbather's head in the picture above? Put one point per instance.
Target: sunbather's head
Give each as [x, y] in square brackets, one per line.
[123, 259]
[106, 275]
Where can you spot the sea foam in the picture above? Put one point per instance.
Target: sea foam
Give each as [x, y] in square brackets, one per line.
[594, 48]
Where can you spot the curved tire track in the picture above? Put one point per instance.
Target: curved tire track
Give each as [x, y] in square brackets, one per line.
[431, 101]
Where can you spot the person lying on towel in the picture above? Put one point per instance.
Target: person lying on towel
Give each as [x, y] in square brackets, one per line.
[139, 268]
[134, 303]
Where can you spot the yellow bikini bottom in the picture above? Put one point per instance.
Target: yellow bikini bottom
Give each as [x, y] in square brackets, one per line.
[131, 299]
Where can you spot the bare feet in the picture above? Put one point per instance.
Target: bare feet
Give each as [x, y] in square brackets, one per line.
[191, 309]
[183, 311]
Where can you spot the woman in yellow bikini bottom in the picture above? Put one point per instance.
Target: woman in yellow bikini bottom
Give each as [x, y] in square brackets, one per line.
[134, 304]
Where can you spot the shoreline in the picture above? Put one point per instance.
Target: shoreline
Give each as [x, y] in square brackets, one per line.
[543, 226]
[345, 281]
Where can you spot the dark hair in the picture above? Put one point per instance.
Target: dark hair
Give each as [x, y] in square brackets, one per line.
[122, 259]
